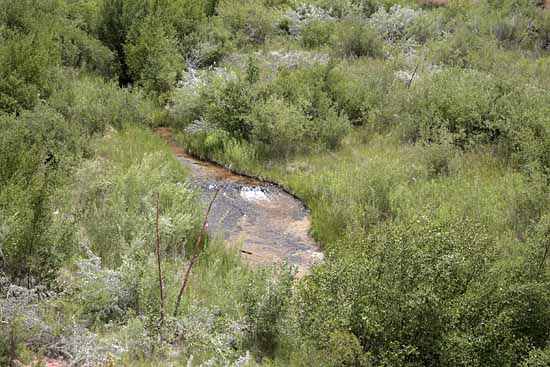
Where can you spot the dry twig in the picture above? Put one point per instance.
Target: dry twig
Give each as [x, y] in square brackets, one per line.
[159, 266]
[412, 77]
[195, 253]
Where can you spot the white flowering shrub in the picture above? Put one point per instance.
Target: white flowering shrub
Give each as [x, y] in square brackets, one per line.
[206, 47]
[186, 102]
[27, 327]
[272, 61]
[136, 340]
[205, 331]
[296, 20]
[394, 24]
[100, 292]
[21, 323]
[81, 347]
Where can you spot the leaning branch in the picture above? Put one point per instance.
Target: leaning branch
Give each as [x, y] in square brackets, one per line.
[545, 255]
[159, 265]
[409, 82]
[195, 253]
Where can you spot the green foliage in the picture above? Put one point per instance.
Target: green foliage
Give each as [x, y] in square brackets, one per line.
[117, 203]
[407, 299]
[79, 50]
[96, 105]
[265, 303]
[354, 39]
[26, 70]
[116, 19]
[228, 107]
[250, 21]
[360, 96]
[152, 57]
[475, 108]
[144, 36]
[316, 33]
[537, 358]
[293, 114]
[433, 210]
[252, 71]
[281, 129]
[37, 150]
[460, 48]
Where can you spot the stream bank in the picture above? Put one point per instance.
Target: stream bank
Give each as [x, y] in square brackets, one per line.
[268, 224]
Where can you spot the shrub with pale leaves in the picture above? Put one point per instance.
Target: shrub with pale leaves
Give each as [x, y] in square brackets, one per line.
[394, 24]
[297, 20]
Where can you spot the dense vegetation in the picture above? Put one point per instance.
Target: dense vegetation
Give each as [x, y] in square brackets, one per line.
[419, 136]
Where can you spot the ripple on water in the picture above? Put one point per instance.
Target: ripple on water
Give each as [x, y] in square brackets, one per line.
[251, 193]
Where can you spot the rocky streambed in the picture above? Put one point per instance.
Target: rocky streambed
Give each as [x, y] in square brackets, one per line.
[268, 224]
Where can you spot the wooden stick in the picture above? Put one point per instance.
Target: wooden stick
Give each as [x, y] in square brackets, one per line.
[412, 77]
[546, 250]
[159, 266]
[195, 253]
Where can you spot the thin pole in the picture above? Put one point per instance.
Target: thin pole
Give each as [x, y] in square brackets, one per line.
[195, 253]
[159, 266]
[412, 77]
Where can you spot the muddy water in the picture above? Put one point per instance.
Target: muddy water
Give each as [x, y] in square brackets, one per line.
[269, 225]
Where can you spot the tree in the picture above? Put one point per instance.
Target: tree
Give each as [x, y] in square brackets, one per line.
[152, 56]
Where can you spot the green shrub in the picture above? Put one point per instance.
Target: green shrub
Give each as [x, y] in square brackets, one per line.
[37, 151]
[360, 89]
[290, 115]
[95, 105]
[26, 70]
[354, 39]
[79, 50]
[415, 292]
[307, 88]
[528, 206]
[537, 358]
[425, 28]
[280, 129]
[228, 106]
[265, 304]
[316, 33]
[251, 21]
[460, 103]
[457, 48]
[475, 108]
[117, 203]
[152, 56]
[116, 18]
[542, 26]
